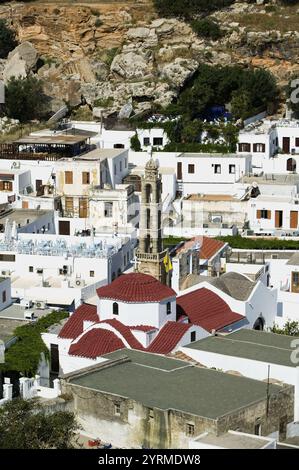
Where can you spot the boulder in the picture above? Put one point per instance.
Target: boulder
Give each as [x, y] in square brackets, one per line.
[27, 53]
[131, 65]
[21, 61]
[178, 71]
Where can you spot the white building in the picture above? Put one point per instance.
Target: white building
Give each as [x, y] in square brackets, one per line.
[254, 354]
[62, 271]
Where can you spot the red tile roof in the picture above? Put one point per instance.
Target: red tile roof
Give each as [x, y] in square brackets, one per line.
[125, 332]
[206, 309]
[95, 343]
[209, 246]
[168, 337]
[74, 326]
[136, 287]
[143, 328]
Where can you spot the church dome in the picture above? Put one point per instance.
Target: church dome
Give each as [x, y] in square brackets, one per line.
[136, 287]
[151, 165]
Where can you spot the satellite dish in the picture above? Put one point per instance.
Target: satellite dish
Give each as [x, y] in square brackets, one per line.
[59, 114]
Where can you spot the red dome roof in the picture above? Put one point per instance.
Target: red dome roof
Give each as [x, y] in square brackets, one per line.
[136, 287]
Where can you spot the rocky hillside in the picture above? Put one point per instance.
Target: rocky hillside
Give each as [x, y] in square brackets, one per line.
[108, 54]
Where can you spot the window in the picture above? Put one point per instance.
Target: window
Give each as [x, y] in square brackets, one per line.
[69, 205]
[7, 258]
[295, 279]
[168, 308]
[5, 185]
[244, 147]
[39, 271]
[217, 169]
[31, 269]
[297, 142]
[117, 409]
[193, 336]
[118, 146]
[85, 177]
[259, 147]
[108, 209]
[232, 169]
[258, 428]
[115, 308]
[191, 169]
[263, 214]
[91, 273]
[157, 141]
[4, 296]
[146, 141]
[151, 413]
[68, 177]
[190, 429]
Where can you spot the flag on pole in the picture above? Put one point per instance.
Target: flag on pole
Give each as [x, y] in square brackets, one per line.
[167, 263]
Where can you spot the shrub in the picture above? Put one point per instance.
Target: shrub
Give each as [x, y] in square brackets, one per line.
[206, 28]
[188, 8]
[7, 39]
[24, 99]
[135, 143]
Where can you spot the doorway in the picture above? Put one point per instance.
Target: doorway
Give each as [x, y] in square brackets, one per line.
[278, 219]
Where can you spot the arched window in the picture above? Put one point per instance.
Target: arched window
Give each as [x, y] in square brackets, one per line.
[168, 308]
[291, 164]
[148, 193]
[148, 218]
[115, 308]
[148, 243]
[259, 324]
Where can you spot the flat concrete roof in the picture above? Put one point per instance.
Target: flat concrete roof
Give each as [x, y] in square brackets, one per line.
[59, 139]
[250, 344]
[20, 216]
[99, 154]
[231, 440]
[288, 179]
[7, 327]
[211, 197]
[166, 383]
[213, 155]
[294, 260]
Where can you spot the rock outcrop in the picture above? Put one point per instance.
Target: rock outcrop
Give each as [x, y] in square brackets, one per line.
[110, 54]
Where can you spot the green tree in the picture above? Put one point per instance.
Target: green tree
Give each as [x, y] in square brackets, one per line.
[24, 424]
[7, 39]
[191, 131]
[135, 143]
[240, 103]
[206, 28]
[24, 99]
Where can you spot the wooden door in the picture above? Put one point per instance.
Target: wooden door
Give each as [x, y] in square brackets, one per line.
[286, 144]
[179, 170]
[38, 184]
[278, 219]
[64, 227]
[295, 282]
[25, 204]
[83, 212]
[293, 219]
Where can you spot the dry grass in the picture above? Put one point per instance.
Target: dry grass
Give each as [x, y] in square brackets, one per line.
[283, 19]
[20, 131]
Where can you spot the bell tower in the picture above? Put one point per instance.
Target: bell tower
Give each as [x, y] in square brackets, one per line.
[150, 254]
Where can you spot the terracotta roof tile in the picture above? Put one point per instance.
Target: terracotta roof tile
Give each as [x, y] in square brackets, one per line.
[74, 326]
[206, 309]
[136, 287]
[143, 328]
[96, 342]
[125, 332]
[168, 337]
[209, 246]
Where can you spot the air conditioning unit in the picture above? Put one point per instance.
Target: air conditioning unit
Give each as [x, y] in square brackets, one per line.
[5, 273]
[80, 283]
[40, 304]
